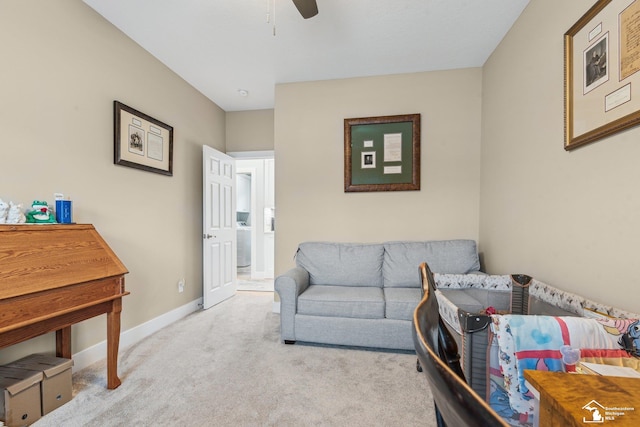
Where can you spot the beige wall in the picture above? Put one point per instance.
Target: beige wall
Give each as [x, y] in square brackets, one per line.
[309, 156]
[249, 130]
[62, 68]
[567, 218]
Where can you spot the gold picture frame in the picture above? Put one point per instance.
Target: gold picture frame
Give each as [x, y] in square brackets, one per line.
[141, 142]
[601, 82]
[382, 153]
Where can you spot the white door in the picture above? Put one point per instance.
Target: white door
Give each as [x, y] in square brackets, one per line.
[219, 227]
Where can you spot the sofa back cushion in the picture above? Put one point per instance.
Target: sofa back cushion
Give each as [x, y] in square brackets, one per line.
[401, 260]
[341, 264]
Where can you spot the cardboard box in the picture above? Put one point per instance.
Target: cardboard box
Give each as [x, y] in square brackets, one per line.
[20, 396]
[56, 386]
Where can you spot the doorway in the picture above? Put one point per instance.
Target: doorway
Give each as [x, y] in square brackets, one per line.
[255, 218]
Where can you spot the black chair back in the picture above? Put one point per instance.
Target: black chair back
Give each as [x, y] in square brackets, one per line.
[456, 404]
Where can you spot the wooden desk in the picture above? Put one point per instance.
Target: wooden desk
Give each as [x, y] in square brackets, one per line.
[564, 398]
[52, 276]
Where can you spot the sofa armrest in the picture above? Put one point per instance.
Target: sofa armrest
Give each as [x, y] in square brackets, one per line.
[288, 286]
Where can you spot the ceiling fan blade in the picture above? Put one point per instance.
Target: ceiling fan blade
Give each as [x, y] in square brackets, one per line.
[307, 8]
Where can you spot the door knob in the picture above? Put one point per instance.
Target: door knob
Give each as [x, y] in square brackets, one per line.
[208, 236]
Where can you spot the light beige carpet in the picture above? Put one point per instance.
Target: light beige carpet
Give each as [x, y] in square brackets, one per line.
[255, 285]
[226, 367]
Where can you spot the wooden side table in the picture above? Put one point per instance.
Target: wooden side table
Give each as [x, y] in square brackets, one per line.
[580, 400]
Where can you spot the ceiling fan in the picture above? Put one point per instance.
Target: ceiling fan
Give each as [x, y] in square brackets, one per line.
[307, 8]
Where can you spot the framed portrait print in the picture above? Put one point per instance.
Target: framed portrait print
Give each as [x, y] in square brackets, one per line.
[142, 142]
[602, 78]
[382, 153]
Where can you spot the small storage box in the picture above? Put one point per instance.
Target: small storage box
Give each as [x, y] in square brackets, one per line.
[20, 396]
[56, 387]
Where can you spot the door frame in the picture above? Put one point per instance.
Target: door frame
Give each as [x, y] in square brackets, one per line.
[253, 155]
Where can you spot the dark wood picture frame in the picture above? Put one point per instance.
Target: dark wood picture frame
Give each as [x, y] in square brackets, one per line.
[601, 81]
[141, 142]
[382, 153]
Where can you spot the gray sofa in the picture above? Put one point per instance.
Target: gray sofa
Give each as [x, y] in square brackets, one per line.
[362, 294]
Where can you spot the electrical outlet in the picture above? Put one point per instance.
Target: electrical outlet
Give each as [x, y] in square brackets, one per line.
[181, 285]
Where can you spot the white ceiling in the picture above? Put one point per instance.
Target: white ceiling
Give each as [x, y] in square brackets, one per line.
[222, 46]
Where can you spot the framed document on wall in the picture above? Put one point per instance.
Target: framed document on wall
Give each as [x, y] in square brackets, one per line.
[382, 153]
[142, 142]
[602, 78]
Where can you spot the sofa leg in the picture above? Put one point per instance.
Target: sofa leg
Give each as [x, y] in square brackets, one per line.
[418, 367]
[289, 341]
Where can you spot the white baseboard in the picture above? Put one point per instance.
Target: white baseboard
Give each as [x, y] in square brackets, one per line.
[97, 352]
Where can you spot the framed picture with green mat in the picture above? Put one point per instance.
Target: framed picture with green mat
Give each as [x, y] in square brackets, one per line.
[382, 153]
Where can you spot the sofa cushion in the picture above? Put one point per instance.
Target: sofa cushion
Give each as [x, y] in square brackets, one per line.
[402, 259]
[342, 301]
[400, 303]
[341, 264]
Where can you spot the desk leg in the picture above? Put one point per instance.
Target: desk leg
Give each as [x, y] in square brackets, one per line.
[113, 342]
[63, 342]
[546, 414]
